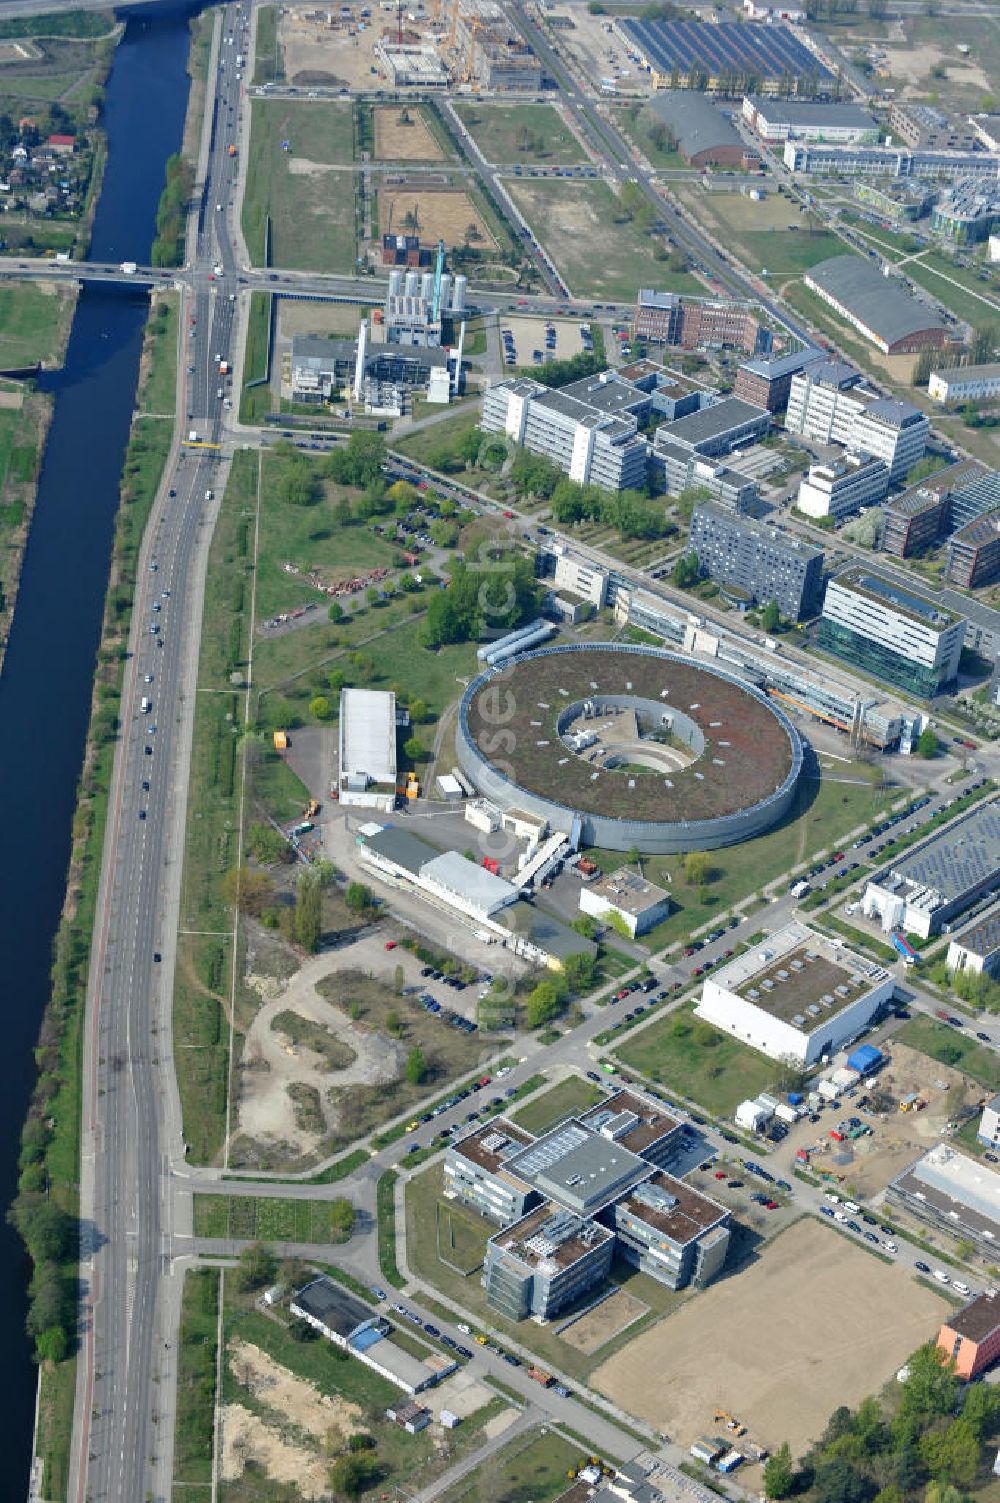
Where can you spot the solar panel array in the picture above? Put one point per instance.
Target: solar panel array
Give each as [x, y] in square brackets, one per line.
[961, 858]
[763, 51]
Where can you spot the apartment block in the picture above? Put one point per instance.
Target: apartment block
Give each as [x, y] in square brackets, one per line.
[890, 631]
[830, 404]
[974, 553]
[589, 429]
[758, 561]
[838, 490]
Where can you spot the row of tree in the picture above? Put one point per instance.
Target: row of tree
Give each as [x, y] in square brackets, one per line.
[171, 214]
[491, 595]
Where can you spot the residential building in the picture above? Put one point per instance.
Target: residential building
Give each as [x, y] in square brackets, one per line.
[704, 136]
[923, 126]
[767, 380]
[777, 119]
[838, 490]
[914, 520]
[589, 429]
[876, 306]
[666, 1229]
[964, 383]
[829, 403]
[903, 200]
[545, 1262]
[797, 995]
[474, 1172]
[665, 318]
[366, 734]
[935, 881]
[718, 430]
[761, 562]
[974, 553]
[891, 632]
[625, 895]
[971, 1339]
[968, 214]
[888, 162]
[679, 468]
[952, 1194]
[977, 949]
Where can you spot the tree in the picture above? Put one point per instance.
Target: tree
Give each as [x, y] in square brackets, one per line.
[418, 711]
[342, 1217]
[335, 611]
[43, 1227]
[247, 891]
[308, 910]
[357, 897]
[353, 1472]
[779, 1473]
[51, 1345]
[266, 844]
[257, 1266]
[770, 616]
[545, 1002]
[319, 707]
[413, 749]
[579, 972]
[416, 1066]
[928, 745]
[951, 1455]
[930, 1391]
[584, 924]
[686, 571]
[697, 868]
[837, 1481]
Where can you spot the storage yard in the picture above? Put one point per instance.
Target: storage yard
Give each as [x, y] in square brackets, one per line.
[815, 1322]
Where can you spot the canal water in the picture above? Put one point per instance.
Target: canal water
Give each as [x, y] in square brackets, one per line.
[45, 688]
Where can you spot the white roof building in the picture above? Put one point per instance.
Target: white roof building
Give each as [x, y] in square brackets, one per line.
[366, 771]
[464, 885]
[797, 995]
[629, 897]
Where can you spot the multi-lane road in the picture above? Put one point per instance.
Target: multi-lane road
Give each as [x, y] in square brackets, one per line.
[130, 1107]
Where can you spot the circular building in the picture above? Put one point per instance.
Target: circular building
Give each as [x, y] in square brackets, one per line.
[644, 747]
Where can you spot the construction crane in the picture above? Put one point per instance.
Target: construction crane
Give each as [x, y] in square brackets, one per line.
[399, 23]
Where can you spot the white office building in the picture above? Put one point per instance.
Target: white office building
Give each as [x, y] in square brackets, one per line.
[627, 896]
[891, 632]
[836, 490]
[796, 996]
[809, 120]
[830, 404]
[580, 577]
[941, 878]
[967, 383]
[366, 768]
[589, 429]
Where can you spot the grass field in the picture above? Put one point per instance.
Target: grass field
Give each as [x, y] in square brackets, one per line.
[770, 234]
[34, 324]
[952, 1046]
[266, 1218]
[597, 255]
[638, 120]
[517, 133]
[698, 1062]
[869, 1319]
[307, 201]
[824, 811]
[548, 1107]
[267, 54]
[195, 1423]
[533, 1469]
[255, 400]
[158, 391]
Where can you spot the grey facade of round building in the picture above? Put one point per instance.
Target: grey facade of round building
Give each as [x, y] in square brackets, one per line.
[661, 836]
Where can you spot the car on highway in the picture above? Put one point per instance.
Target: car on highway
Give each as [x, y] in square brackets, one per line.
[148, 751]
[142, 814]
[922, 1267]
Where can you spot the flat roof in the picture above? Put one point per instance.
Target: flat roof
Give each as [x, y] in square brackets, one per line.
[969, 372]
[954, 861]
[368, 733]
[684, 1220]
[980, 531]
[402, 847]
[800, 976]
[330, 1303]
[712, 422]
[630, 1119]
[491, 1143]
[982, 937]
[979, 1319]
[457, 874]
[773, 366]
[811, 112]
[629, 891]
[880, 304]
[958, 1187]
[578, 1167]
[912, 502]
[550, 1238]
[607, 392]
[906, 601]
[544, 930]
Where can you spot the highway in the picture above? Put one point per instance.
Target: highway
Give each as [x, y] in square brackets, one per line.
[129, 1096]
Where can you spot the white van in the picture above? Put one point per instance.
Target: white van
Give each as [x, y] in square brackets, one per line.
[208, 495]
[962, 1288]
[942, 1278]
[146, 705]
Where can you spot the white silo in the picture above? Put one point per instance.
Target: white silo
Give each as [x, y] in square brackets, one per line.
[458, 296]
[395, 282]
[445, 290]
[412, 283]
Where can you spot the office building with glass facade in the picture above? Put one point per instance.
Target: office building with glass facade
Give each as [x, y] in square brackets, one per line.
[891, 632]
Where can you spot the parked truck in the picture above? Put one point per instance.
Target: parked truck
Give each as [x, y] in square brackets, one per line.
[903, 946]
[541, 1376]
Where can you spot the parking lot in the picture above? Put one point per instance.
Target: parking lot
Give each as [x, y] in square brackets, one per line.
[554, 339]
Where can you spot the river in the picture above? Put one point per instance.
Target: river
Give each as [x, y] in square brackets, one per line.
[45, 689]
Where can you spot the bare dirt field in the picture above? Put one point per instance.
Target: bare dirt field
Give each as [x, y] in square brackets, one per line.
[868, 1164]
[246, 1438]
[593, 1330]
[317, 53]
[439, 215]
[911, 65]
[815, 1322]
[317, 318]
[409, 142]
[291, 1397]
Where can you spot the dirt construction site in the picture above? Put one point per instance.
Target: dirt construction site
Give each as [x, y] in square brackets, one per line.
[403, 136]
[814, 1322]
[318, 49]
[434, 214]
